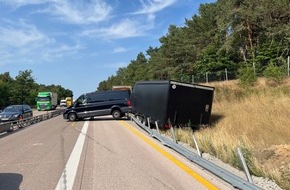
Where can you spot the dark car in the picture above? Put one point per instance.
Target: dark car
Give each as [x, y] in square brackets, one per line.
[115, 103]
[15, 112]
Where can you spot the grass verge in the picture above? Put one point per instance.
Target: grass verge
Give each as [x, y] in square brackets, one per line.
[256, 119]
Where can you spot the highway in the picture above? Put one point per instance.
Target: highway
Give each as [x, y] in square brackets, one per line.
[95, 154]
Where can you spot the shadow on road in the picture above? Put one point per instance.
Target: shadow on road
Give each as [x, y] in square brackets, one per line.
[107, 119]
[10, 181]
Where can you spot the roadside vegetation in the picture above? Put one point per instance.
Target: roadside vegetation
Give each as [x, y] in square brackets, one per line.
[254, 118]
[227, 36]
[23, 89]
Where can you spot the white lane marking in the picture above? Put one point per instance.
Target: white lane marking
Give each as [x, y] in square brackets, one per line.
[68, 175]
[37, 144]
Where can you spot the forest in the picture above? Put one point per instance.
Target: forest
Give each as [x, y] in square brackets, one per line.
[244, 38]
[24, 89]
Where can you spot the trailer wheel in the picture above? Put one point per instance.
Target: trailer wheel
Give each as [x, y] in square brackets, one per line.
[72, 117]
[116, 114]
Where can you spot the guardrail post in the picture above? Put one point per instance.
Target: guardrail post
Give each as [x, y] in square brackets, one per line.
[149, 127]
[141, 119]
[196, 145]
[173, 135]
[148, 122]
[172, 131]
[157, 127]
[244, 165]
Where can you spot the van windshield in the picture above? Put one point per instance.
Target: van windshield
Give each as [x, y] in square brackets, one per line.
[81, 100]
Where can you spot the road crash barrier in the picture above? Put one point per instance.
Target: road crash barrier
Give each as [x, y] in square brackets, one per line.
[220, 172]
[9, 126]
[5, 127]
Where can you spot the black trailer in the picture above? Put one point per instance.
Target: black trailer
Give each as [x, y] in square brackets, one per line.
[182, 103]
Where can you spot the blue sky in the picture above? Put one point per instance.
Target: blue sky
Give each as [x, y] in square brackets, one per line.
[79, 43]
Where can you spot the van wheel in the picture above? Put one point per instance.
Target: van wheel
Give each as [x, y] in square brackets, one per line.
[72, 117]
[116, 114]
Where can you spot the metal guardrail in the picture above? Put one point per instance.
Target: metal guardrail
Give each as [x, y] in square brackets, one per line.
[227, 176]
[9, 126]
[5, 127]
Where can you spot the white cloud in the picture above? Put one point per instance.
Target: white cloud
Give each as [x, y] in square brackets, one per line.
[20, 3]
[22, 42]
[72, 11]
[21, 34]
[61, 50]
[120, 50]
[80, 12]
[127, 28]
[153, 6]
[139, 26]
[20, 39]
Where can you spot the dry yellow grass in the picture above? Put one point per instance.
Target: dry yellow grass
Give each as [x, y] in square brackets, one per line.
[256, 119]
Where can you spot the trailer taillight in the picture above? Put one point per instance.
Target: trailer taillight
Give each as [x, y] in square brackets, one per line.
[129, 103]
[167, 126]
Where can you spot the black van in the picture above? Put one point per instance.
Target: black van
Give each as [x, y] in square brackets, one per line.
[115, 103]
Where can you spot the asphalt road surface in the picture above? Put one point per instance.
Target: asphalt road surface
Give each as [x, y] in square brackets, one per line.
[97, 154]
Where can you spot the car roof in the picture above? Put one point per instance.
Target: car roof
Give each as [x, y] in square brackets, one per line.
[18, 105]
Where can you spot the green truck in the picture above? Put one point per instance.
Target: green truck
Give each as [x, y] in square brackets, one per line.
[46, 101]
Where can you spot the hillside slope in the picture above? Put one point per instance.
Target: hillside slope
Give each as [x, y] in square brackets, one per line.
[257, 120]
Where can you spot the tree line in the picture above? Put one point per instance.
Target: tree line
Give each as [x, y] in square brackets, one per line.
[24, 89]
[249, 38]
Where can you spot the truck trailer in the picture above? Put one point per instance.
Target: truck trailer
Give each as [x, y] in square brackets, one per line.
[69, 101]
[167, 101]
[46, 101]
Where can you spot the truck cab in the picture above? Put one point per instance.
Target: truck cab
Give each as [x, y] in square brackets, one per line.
[46, 101]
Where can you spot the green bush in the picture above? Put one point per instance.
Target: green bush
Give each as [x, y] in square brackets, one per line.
[247, 76]
[275, 73]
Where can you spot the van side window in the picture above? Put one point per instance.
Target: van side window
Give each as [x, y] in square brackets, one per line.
[100, 97]
[118, 95]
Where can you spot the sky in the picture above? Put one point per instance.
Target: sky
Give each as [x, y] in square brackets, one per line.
[79, 43]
